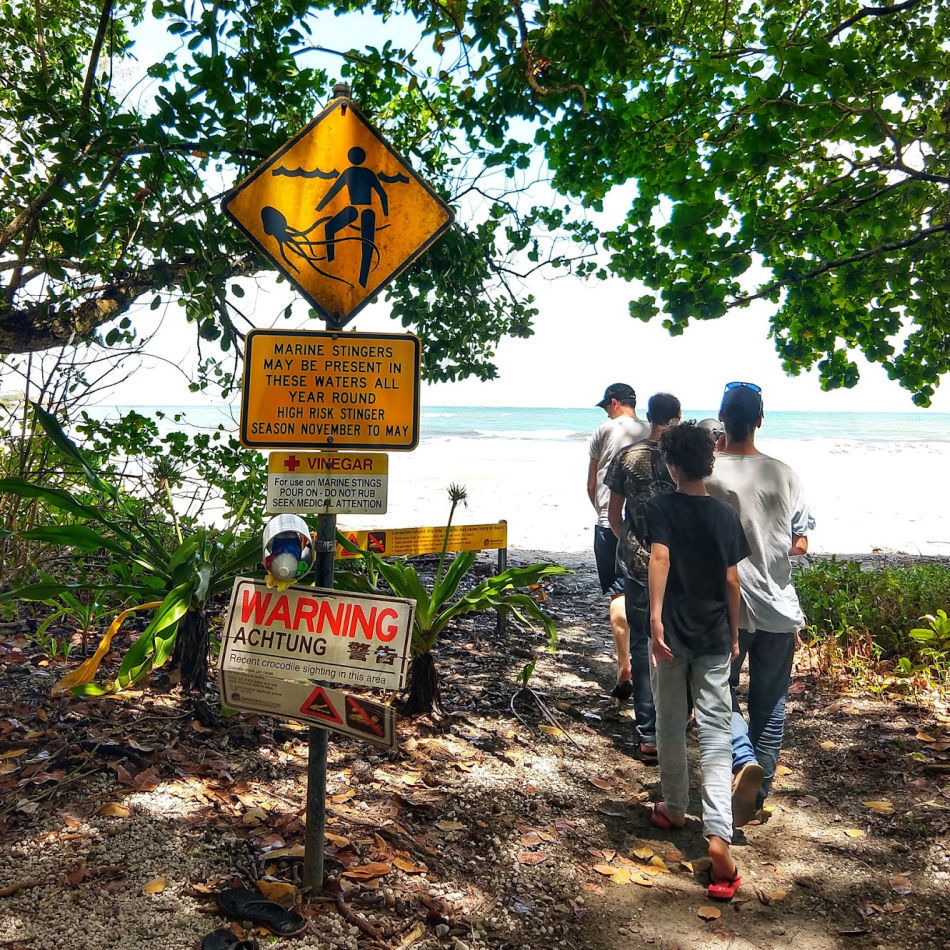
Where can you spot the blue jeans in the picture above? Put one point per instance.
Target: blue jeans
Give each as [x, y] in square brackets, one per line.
[637, 604]
[707, 679]
[770, 670]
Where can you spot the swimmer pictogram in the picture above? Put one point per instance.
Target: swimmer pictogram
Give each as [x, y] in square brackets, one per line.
[338, 211]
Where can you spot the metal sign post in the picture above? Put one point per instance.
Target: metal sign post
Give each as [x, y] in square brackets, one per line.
[371, 216]
[317, 760]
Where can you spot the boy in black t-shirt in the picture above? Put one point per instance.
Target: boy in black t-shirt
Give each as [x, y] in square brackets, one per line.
[695, 544]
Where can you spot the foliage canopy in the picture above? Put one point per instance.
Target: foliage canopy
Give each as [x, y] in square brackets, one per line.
[795, 153]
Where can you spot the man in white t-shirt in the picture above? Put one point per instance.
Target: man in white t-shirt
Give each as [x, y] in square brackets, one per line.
[771, 505]
[621, 428]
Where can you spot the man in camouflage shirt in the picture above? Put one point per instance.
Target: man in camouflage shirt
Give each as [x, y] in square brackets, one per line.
[636, 474]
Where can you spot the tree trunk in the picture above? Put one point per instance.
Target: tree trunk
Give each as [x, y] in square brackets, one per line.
[190, 657]
[423, 685]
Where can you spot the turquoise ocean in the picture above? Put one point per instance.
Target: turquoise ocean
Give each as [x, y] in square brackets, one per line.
[874, 481]
[521, 422]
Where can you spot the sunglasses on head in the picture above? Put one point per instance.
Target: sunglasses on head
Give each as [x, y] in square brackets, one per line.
[740, 385]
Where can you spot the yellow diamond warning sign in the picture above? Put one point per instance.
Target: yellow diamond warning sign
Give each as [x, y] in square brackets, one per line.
[338, 211]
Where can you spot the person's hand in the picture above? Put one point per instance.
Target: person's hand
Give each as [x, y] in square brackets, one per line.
[735, 645]
[659, 651]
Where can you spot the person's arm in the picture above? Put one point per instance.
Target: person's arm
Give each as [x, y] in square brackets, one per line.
[592, 482]
[657, 577]
[732, 605]
[615, 512]
[799, 544]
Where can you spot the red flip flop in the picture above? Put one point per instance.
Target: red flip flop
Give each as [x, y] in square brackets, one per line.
[724, 890]
[661, 820]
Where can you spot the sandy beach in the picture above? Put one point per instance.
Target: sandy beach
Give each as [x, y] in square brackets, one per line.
[881, 496]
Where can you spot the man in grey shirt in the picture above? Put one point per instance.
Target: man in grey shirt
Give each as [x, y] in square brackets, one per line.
[771, 505]
[621, 428]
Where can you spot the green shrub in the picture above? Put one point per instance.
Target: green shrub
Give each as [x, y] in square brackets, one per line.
[851, 602]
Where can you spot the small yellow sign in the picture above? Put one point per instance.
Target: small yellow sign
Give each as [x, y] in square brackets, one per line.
[327, 483]
[338, 211]
[405, 542]
[312, 389]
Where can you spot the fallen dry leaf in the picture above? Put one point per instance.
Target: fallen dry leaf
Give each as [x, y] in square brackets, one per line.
[366, 872]
[854, 832]
[882, 807]
[599, 783]
[338, 840]
[278, 891]
[783, 770]
[114, 810]
[606, 869]
[827, 744]
[709, 913]
[901, 885]
[155, 886]
[296, 851]
[551, 730]
[450, 826]
[644, 854]
[924, 737]
[409, 867]
[532, 857]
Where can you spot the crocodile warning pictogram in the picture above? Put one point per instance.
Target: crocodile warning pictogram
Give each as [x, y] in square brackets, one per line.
[318, 706]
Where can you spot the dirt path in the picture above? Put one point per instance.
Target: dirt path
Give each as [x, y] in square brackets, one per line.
[124, 818]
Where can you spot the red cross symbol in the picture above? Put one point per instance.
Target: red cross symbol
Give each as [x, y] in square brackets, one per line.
[292, 463]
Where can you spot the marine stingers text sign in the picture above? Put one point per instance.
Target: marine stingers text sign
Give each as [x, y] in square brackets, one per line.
[330, 390]
[307, 633]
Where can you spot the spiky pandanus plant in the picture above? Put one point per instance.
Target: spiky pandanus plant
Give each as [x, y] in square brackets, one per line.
[507, 592]
[176, 580]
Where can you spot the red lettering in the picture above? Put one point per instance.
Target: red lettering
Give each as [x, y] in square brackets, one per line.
[254, 603]
[359, 617]
[391, 630]
[280, 612]
[328, 618]
[307, 610]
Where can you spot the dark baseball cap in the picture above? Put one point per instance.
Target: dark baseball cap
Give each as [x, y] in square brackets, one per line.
[619, 391]
[742, 401]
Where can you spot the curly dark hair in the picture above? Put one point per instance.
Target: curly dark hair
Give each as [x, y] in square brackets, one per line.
[689, 448]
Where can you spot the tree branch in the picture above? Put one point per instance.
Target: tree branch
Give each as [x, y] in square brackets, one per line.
[843, 262]
[865, 12]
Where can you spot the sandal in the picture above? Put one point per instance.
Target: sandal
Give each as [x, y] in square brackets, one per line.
[662, 820]
[224, 939]
[724, 890]
[250, 905]
[623, 690]
[647, 756]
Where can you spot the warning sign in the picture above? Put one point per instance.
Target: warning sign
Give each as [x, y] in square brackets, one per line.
[306, 633]
[330, 390]
[332, 709]
[338, 211]
[405, 542]
[327, 483]
[318, 706]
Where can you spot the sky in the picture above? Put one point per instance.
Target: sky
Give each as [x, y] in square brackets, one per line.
[583, 341]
